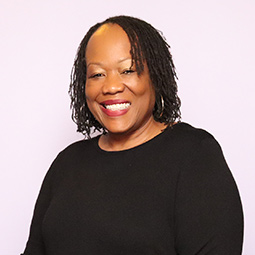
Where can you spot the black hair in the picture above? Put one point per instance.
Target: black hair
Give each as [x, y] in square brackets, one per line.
[147, 45]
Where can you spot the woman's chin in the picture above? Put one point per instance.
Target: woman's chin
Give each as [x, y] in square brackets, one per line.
[117, 130]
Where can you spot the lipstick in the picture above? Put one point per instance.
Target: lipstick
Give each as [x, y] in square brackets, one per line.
[115, 107]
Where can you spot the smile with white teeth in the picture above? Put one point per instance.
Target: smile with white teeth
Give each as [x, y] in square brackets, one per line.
[117, 107]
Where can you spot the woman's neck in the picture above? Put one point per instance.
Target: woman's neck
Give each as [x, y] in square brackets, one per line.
[124, 141]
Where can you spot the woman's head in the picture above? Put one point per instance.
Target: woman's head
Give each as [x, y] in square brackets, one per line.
[148, 50]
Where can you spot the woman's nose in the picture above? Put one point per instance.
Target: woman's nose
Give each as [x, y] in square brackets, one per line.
[113, 84]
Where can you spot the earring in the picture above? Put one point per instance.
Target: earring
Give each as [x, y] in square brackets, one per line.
[162, 106]
[81, 108]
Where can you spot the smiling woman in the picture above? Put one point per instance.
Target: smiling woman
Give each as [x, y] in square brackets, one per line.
[121, 100]
[148, 184]
[140, 47]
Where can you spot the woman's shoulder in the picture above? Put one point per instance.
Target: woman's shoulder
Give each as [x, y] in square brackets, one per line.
[74, 154]
[82, 148]
[81, 144]
[185, 133]
[185, 139]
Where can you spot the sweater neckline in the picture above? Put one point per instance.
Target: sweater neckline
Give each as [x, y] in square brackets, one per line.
[137, 147]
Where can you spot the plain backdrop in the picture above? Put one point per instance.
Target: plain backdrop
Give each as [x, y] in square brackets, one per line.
[212, 43]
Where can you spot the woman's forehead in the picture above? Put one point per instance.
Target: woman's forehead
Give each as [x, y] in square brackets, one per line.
[104, 29]
[107, 41]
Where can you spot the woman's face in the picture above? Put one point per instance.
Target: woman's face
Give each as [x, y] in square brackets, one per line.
[119, 99]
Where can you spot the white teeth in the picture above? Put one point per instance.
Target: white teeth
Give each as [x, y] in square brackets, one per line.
[116, 107]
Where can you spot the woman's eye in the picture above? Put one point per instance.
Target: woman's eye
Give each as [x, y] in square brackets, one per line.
[96, 75]
[129, 71]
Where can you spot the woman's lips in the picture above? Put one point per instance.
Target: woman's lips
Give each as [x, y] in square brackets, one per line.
[116, 107]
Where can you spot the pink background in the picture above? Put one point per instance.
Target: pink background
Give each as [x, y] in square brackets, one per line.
[213, 47]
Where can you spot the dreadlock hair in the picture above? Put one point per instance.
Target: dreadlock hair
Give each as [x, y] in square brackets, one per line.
[147, 46]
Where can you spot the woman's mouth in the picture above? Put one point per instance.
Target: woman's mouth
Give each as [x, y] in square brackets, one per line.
[115, 108]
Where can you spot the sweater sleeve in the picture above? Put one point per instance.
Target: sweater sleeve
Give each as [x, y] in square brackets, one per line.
[35, 245]
[209, 218]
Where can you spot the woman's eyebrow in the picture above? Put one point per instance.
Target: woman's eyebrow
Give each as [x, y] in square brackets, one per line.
[101, 64]
[94, 63]
[125, 59]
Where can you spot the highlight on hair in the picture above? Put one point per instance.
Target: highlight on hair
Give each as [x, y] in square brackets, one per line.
[147, 45]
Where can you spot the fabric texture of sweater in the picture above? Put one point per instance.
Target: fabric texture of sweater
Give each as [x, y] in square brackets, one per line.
[173, 195]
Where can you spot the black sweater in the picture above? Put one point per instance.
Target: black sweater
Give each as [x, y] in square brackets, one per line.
[171, 195]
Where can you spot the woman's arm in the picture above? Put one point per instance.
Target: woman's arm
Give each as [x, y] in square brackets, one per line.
[209, 218]
[35, 244]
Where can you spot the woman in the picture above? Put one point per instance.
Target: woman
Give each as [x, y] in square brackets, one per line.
[148, 184]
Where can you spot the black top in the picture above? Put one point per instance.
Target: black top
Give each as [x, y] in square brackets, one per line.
[171, 195]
